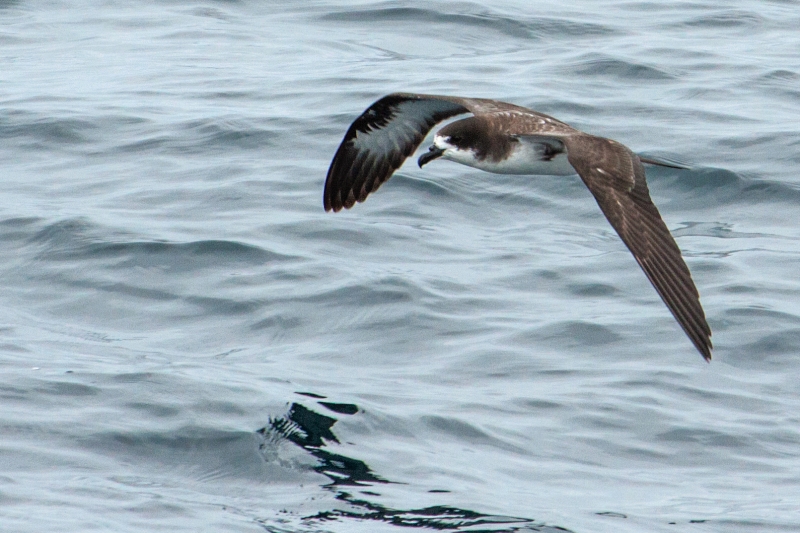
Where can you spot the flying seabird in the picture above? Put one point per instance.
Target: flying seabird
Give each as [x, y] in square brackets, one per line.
[508, 139]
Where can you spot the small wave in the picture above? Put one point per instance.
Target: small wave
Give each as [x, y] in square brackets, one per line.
[538, 27]
[780, 348]
[592, 289]
[226, 134]
[578, 333]
[67, 388]
[777, 344]
[46, 131]
[706, 438]
[210, 12]
[121, 134]
[278, 322]
[49, 132]
[202, 137]
[592, 65]
[780, 83]
[725, 19]
[505, 26]
[200, 451]
[422, 187]
[382, 292]
[781, 75]
[701, 187]
[77, 239]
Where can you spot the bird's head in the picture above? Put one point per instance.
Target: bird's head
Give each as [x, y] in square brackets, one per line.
[458, 141]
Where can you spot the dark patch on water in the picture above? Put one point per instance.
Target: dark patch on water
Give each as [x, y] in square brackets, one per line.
[592, 289]
[341, 408]
[313, 431]
[66, 388]
[579, 334]
[278, 323]
[311, 395]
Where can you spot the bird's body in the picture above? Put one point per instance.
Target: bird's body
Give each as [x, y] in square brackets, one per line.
[524, 155]
[505, 138]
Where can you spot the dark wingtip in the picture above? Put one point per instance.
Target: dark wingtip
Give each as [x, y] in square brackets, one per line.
[704, 346]
[331, 202]
[663, 163]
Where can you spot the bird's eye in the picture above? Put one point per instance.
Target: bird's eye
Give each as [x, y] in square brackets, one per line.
[456, 139]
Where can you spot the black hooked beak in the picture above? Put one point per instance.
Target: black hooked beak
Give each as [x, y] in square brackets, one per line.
[432, 153]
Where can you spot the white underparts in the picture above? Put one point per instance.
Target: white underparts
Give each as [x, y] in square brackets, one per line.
[527, 157]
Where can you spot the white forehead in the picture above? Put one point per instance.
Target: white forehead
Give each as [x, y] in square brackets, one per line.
[441, 141]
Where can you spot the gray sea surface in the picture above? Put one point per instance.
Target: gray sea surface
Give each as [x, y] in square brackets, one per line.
[188, 342]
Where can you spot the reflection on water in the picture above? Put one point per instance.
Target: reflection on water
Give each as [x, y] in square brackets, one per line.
[311, 431]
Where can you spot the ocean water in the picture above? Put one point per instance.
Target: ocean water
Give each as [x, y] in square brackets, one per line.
[188, 342]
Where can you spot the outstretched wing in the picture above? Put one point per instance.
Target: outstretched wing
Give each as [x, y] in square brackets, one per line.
[380, 140]
[616, 178]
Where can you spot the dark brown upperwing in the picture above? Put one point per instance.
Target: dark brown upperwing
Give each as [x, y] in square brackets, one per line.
[379, 141]
[616, 178]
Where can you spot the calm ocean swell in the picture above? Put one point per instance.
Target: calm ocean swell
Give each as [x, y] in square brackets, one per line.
[188, 342]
